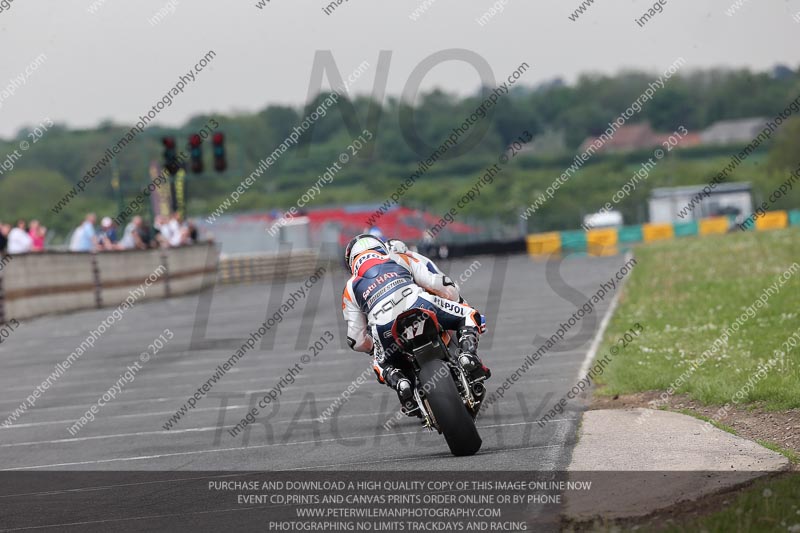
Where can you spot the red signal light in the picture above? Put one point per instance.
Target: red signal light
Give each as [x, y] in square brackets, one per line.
[169, 142]
[195, 141]
[220, 162]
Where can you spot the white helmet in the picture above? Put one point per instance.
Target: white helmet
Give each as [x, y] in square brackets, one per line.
[397, 246]
[362, 243]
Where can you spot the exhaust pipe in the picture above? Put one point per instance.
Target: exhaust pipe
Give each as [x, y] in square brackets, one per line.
[478, 389]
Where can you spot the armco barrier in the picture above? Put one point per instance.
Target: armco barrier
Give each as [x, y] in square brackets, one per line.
[516, 246]
[56, 282]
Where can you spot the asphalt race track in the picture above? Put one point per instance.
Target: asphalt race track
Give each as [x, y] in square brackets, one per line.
[127, 433]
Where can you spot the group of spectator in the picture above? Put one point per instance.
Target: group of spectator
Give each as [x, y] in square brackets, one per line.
[22, 238]
[168, 232]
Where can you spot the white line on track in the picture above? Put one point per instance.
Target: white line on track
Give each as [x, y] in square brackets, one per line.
[188, 430]
[225, 388]
[119, 485]
[174, 431]
[241, 448]
[107, 373]
[155, 375]
[598, 337]
[128, 519]
[236, 372]
[353, 398]
[398, 460]
[157, 413]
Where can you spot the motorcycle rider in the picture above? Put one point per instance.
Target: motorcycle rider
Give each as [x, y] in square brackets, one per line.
[399, 247]
[381, 277]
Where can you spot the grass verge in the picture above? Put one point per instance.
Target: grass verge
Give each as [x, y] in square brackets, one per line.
[685, 293]
[770, 505]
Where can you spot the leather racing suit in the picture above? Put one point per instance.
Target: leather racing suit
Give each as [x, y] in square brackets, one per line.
[385, 285]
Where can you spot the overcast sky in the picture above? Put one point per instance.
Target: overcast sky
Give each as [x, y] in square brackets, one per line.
[114, 64]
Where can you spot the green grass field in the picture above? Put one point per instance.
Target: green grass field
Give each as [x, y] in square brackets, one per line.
[685, 292]
[770, 505]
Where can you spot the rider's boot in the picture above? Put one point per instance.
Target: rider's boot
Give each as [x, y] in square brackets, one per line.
[405, 392]
[468, 358]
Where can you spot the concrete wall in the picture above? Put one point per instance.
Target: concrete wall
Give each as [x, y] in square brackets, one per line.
[268, 266]
[121, 272]
[35, 284]
[57, 282]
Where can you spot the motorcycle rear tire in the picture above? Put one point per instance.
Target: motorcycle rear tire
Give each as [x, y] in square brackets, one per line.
[449, 410]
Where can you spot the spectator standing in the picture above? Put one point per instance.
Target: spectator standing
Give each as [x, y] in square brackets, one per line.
[146, 235]
[84, 238]
[107, 238]
[37, 233]
[178, 231]
[193, 233]
[19, 242]
[131, 237]
[4, 229]
[163, 231]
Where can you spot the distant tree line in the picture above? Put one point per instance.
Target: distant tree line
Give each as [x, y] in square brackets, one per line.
[559, 115]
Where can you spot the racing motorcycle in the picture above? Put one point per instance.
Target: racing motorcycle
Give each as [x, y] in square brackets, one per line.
[446, 400]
